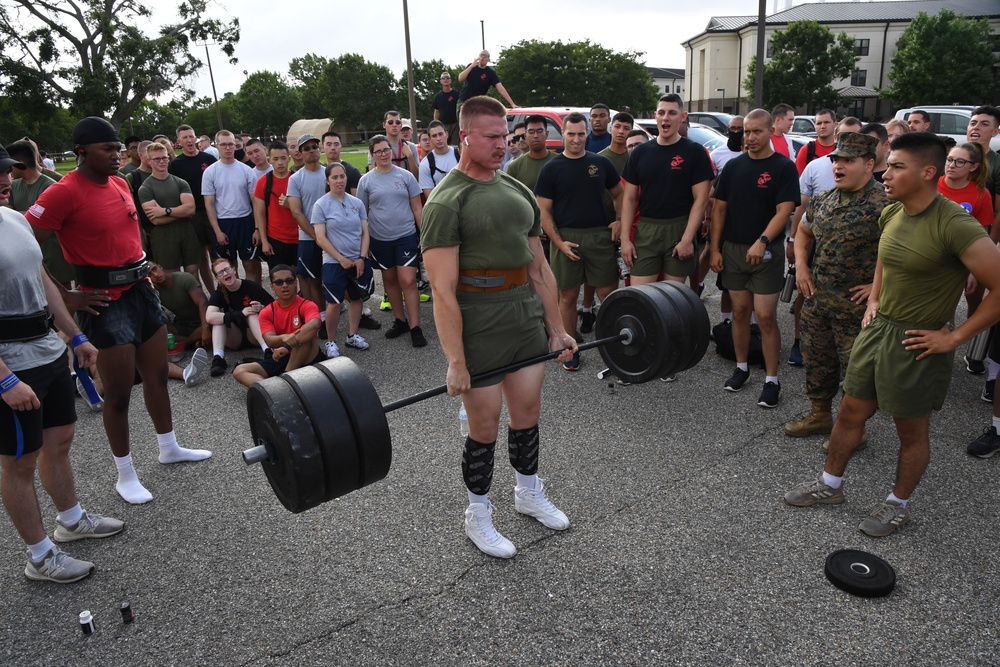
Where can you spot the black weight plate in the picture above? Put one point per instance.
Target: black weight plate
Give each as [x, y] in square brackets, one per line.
[699, 324]
[688, 322]
[364, 408]
[278, 418]
[860, 573]
[642, 312]
[675, 356]
[332, 427]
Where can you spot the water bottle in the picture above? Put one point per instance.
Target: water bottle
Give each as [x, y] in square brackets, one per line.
[463, 421]
[171, 344]
[623, 269]
[786, 291]
[768, 256]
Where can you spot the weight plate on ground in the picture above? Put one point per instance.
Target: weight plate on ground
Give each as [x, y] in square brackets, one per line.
[332, 428]
[860, 573]
[688, 324]
[278, 419]
[642, 312]
[364, 408]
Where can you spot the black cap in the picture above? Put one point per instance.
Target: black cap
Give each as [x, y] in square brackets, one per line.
[6, 161]
[93, 130]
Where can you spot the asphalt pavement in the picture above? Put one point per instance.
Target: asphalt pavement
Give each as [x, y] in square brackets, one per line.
[681, 550]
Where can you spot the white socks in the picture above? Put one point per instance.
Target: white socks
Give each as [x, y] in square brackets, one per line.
[37, 551]
[171, 452]
[221, 354]
[892, 497]
[994, 369]
[529, 482]
[128, 486]
[743, 366]
[831, 481]
[476, 498]
[996, 424]
[70, 517]
[771, 378]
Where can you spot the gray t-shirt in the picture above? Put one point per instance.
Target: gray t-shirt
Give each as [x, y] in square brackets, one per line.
[387, 196]
[232, 185]
[23, 292]
[343, 224]
[308, 186]
[398, 158]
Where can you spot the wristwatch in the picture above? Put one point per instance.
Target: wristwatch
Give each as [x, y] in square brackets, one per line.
[764, 239]
[167, 212]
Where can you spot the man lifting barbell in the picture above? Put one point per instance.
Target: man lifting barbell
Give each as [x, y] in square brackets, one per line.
[494, 301]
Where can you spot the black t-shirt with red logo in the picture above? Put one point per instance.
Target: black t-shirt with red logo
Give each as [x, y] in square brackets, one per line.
[446, 104]
[752, 189]
[191, 168]
[478, 83]
[665, 176]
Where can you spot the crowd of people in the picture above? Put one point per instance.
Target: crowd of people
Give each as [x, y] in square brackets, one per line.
[882, 229]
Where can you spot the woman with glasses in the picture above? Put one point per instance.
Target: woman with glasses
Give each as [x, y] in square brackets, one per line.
[964, 182]
[232, 313]
[392, 197]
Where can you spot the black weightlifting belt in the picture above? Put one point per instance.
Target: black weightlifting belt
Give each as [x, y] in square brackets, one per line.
[112, 276]
[21, 328]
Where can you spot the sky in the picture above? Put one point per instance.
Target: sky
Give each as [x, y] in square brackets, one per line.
[446, 29]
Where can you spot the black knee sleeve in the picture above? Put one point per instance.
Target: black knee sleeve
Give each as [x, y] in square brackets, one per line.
[522, 445]
[477, 466]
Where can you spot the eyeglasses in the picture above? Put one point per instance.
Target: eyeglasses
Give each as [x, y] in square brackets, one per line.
[382, 151]
[537, 131]
[445, 77]
[958, 162]
[310, 147]
[229, 145]
[736, 129]
[283, 281]
[393, 122]
[224, 272]
[159, 159]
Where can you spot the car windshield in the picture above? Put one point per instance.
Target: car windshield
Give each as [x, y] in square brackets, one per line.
[706, 137]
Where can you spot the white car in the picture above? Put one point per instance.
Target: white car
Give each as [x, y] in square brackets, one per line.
[948, 121]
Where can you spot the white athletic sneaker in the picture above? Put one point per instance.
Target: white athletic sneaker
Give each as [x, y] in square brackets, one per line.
[479, 528]
[195, 371]
[357, 342]
[332, 351]
[534, 502]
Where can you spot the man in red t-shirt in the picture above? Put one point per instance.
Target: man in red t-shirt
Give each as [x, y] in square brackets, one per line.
[290, 327]
[826, 140]
[277, 232]
[94, 217]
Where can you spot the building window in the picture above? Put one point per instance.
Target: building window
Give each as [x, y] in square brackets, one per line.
[861, 47]
[678, 89]
[859, 77]
[666, 88]
[767, 49]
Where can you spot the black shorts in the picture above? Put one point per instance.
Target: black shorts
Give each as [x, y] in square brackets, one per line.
[284, 253]
[21, 432]
[131, 319]
[272, 367]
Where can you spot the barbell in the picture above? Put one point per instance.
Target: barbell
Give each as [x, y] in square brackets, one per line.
[321, 431]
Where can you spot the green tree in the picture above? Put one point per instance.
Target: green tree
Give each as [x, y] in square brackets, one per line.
[201, 116]
[346, 88]
[50, 126]
[91, 55]
[152, 118]
[805, 60]
[266, 105]
[943, 59]
[575, 74]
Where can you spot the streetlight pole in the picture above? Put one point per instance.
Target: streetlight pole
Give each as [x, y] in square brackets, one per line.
[409, 68]
[723, 91]
[482, 30]
[211, 76]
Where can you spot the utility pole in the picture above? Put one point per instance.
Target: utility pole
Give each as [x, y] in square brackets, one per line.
[758, 83]
[482, 30]
[409, 69]
[211, 76]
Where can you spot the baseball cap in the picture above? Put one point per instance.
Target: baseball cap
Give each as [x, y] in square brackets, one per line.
[6, 161]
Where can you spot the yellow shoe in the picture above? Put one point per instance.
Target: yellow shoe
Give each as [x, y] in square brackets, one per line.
[385, 303]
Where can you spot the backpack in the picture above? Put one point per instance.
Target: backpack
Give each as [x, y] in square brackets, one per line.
[810, 151]
[723, 335]
[268, 186]
[433, 167]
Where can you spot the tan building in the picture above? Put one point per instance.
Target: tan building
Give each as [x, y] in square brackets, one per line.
[719, 57]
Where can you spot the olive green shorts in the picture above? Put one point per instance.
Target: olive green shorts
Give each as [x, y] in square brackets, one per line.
[500, 328]
[202, 228]
[764, 278]
[882, 370]
[175, 245]
[655, 240]
[598, 264]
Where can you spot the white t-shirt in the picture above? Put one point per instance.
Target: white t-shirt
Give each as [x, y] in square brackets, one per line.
[442, 165]
[232, 185]
[817, 177]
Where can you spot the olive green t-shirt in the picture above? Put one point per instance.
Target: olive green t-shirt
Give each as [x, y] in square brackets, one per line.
[526, 168]
[166, 192]
[23, 195]
[619, 160]
[177, 298]
[490, 221]
[922, 273]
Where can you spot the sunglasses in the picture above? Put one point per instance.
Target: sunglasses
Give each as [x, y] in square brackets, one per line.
[393, 122]
[283, 281]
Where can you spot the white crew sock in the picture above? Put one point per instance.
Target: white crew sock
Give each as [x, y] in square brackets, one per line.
[743, 366]
[171, 452]
[476, 498]
[994, 370]
[996, 424]
[832, 481]
[587, 310]
[221, 354]
[725, 316]
[529, 482]
[771, 378]
[70, 517]
[37, 551]
[892, 497]
[129, 487]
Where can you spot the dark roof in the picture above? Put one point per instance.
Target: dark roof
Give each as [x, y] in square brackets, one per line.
[666, 72]
[727, 23]
[857, 92]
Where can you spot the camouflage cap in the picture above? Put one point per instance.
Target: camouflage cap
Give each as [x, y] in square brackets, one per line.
[855, 144]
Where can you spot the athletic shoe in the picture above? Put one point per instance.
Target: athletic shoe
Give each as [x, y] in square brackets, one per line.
[737, 380]
[669, 378]
[975, 366]
[369, 322]
[886, 520]
[795, 356]
[398, 328]
[94, 407]
[58, 567]
[90, 526]
[479, 528]
[417, 337]
[357, 342]
[422, 285]
[332, 351]
[385, 303]
[813, 492]
[534, 502]
[769, 395]
[425, 297]
[195, 371]
[987, 394]
[574, 363]
[587, 321]
[985, 445]
[219, 366]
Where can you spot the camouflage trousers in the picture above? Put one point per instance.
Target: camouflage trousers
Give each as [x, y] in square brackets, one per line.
[828, 329]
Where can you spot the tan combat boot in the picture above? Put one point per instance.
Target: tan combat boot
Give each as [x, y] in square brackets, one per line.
[818, 421]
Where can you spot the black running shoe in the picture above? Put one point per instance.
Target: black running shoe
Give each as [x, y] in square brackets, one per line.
[737, 380]
[369, 322]
[417, 337]
[398, 328]
[219, 366]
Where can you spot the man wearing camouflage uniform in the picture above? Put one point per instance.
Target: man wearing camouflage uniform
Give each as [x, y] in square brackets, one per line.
[843, 222]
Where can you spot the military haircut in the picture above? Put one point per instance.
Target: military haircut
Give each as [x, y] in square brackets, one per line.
[674, 98]
[481, 105]
[926, 147]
